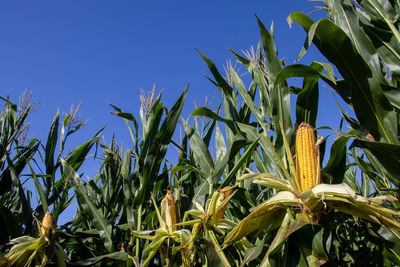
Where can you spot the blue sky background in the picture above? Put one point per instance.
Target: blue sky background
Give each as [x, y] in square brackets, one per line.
[102, 52]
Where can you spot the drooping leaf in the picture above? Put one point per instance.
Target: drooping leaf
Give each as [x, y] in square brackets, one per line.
[220, 81]
[79, 154]
[387, 154]
[267, 216]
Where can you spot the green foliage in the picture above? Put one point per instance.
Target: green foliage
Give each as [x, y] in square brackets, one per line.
[235, 195]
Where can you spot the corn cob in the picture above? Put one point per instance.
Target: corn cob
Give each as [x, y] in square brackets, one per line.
[46, 227]
[306, 157]
[168, 211]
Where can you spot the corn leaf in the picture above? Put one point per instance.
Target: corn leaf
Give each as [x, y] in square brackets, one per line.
[200, 151]
[102, 225]
[51, 144]
[336, 166]
[39, 188]
[267, 216]
[240, 163]
[252, 253]
[112, 257]
[223, 164]
[156, 142]
[372, 108]
[387, 154]
[220, 81]
[280, 237]
[256, 112]
[279, 92]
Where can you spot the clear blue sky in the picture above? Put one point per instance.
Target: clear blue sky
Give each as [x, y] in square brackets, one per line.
[102, 52]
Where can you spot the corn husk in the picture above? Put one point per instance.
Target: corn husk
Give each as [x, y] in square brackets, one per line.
[221, 205]
[168, 211]
[46, 227]
[309, 206]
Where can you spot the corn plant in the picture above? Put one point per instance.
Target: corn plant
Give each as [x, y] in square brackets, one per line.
[50, 180]
[293, 206]
[117, 201]
[27, 251]
[16, 212]
[250, 187]
[361, 38]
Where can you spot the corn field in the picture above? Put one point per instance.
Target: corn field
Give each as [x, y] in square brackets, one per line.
[253, 185]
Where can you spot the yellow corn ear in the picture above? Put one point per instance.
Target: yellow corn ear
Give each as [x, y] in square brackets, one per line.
[306, 157]
[224, 193]
[46, 227]
[168, 211]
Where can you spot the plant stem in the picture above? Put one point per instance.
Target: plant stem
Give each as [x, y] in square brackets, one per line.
[218, 249]
[139, 223]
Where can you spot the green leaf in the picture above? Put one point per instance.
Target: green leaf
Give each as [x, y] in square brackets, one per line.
[318, 249]
[307, 239]
[200, 151]
[387, 46]
[365, 185]
[344, 14]
[267, 38]
[307, 99]
[102, 225]
[239, 163]
[24, 201]
[209, 132]
[11, 228]
[51, 144]
[249, 100]
[220, 146]
[272, 162]
[40, 190]
[382, 12]
[387, 154]
[21, 159]
[78, 155]
[201, 189]
[336, 166]
[128, 117]
[252, 253]
[112, 257]
[155, 146]
[279, 92]
[223, 164]
[206, 112]
[220, 81]
[280, 237]
[298, 70]
[371, 106]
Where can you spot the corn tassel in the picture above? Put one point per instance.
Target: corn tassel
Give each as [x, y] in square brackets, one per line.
[46, 227]
[306, 157]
